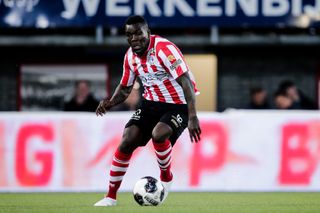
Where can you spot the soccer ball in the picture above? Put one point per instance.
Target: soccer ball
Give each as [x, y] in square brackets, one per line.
[148, 191]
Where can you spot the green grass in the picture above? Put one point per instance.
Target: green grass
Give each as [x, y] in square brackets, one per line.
[176, 202]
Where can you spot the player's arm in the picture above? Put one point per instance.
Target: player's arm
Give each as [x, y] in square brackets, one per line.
[120, 95]
[122, 91]
[193, 122]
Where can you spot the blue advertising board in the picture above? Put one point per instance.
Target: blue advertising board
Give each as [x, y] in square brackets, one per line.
[160, 13]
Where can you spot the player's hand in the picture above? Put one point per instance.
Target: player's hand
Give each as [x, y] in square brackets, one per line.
[103, 107]
[194, 129]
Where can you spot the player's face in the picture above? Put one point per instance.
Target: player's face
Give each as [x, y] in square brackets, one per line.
[138, 37]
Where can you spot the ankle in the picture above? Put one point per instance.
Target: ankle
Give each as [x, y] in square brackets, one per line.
[166, 176]
[110, 198]
[112, 193]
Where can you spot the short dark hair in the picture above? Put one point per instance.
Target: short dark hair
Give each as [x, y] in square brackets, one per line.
[256, 90]
[136, 19]
[77, 82]
[284, 85]
[279, 93]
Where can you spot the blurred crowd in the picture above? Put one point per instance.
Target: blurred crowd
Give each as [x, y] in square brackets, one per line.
[286, 97]
[84, 100]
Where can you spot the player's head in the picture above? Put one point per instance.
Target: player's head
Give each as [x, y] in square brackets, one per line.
[138, 34]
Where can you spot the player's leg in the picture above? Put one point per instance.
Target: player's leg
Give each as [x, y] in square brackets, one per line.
[131, 139]
[137, 133]
[164, 136]
[162, 145]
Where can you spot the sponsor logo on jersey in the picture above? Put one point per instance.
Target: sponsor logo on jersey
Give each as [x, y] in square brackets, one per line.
[161, 75]
[176, 64]
[149, 78]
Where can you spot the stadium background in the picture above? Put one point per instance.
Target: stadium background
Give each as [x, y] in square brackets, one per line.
[253, 47]
[243, 44]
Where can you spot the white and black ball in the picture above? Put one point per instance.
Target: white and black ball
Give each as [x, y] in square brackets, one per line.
[148, 191]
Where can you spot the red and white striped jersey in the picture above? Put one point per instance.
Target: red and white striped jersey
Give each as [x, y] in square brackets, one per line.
[157, 68]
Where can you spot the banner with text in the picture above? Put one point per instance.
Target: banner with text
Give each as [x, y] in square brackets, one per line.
[160, 13]
[238, 151]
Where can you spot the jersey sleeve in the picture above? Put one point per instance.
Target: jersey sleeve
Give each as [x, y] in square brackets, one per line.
[128, 76]
[172, 59]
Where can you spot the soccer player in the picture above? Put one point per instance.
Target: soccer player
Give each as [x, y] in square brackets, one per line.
[168, 105]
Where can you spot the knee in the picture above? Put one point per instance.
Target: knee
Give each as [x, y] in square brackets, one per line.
[160, 136]
[130, 139]
[126, 146]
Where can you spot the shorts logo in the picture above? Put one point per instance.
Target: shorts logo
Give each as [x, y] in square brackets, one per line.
[177, 121]
[136, 115]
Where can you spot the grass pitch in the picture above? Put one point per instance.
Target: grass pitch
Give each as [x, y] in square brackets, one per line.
[176, 202]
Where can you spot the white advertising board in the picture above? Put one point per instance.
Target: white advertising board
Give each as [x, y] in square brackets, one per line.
[238, 151]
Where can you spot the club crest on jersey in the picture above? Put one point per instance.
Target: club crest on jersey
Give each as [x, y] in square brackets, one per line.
[133, 62]
[150, 56]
